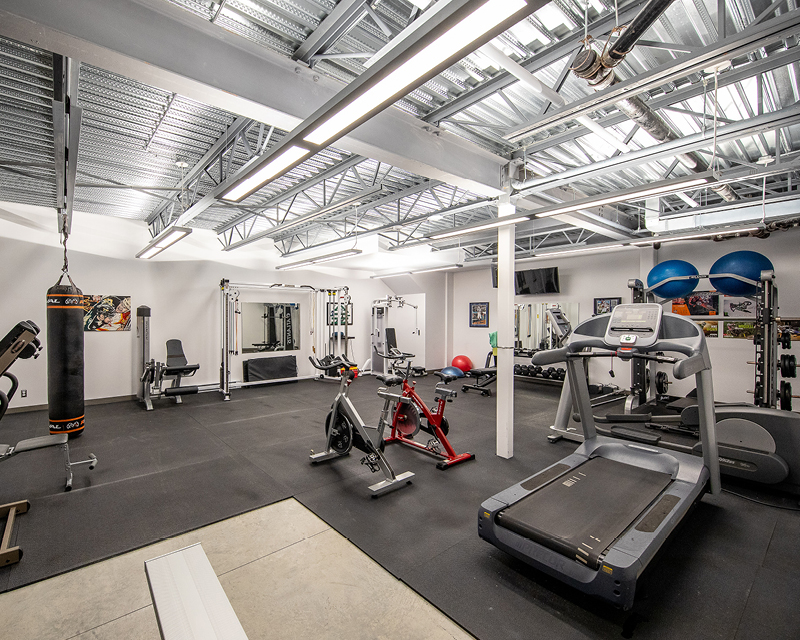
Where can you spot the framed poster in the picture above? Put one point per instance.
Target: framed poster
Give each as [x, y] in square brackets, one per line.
[699, 303]
[605, 305]
[106, 313]
[339, 313]
[479, 314]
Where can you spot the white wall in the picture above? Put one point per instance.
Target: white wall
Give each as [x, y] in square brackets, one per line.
[181, 287]
[584, 278]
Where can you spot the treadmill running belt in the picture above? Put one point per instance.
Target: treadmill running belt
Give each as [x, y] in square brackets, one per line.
[583, 512]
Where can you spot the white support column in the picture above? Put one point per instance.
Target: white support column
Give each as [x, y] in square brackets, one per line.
[505, 332]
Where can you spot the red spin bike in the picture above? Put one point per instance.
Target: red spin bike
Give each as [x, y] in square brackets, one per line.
[406, 419]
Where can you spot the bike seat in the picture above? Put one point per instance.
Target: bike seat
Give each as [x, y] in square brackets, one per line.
[388, 380]
[445, 377]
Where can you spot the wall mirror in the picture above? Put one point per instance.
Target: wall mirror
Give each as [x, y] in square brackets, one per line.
[270, 326]
[531, 328]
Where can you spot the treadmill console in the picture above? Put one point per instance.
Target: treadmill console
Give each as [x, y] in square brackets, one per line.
[634, 325]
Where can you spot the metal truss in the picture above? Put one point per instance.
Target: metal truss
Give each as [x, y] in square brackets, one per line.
[213, 169]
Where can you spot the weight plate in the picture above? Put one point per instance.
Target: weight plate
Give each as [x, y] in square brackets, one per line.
[788, 365]
[406, 419]
[786, 396]
[662, 383]
[341, 439]
[786, 340]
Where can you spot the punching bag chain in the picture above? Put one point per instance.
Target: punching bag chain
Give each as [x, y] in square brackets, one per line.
[65, 268]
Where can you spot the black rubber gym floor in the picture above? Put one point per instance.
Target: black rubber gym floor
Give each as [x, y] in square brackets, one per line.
[732, 571]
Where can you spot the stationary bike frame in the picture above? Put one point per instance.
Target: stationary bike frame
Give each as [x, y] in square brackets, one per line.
[448, 457]
[374, 458]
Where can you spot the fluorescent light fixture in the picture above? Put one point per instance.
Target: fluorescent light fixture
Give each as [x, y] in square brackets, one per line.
[476, 24]
[421, 4]
[491, 225]
[326, 258]
[391, 275]
[625, 197]
[432, 269]
[581, 250]
[708, 234]
[166, 238]
[269, 170]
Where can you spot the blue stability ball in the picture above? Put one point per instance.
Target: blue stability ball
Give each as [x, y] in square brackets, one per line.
[453, 371]
[672, 269]
[748, 264]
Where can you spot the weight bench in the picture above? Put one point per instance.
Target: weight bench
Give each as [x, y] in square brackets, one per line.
[21, 342]
[484, 376]
[188, 599]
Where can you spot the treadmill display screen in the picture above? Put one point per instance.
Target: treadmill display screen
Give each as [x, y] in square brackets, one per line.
[634, 324]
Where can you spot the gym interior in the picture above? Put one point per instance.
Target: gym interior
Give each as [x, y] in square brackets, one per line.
[399, 319]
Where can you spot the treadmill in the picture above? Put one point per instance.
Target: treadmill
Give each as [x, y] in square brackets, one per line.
[597, 518]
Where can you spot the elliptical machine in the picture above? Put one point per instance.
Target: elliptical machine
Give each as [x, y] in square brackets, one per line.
[345, 429]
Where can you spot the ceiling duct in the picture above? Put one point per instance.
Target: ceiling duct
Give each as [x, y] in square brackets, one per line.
[598, 70]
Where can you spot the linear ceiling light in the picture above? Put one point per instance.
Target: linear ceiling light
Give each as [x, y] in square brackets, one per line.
[166, 238]
[327, 258]
[547, 254]
[708, 234]
[447, 268]
[449, 34]
[269, 170]
[476, 24]
[491, 225]
[625, 197]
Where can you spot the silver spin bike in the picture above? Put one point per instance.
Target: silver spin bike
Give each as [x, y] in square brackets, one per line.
[345, 429]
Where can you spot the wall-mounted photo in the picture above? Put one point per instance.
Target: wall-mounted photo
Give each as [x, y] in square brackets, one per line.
[740, 330]
[605, 305]
[710, 329]
[700, 303]
[479, 314]
[340, 313]
[738, 307]
[106, 313]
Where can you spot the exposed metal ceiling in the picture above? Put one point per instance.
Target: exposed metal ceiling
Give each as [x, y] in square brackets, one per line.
[132, 135]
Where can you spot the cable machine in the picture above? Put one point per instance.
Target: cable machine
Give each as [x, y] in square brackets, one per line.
[380, 312]
[329, 341]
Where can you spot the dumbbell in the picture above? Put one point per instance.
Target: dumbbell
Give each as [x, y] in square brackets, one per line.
[517, 369]
[788, 365]
[562, 374]
[537, 370]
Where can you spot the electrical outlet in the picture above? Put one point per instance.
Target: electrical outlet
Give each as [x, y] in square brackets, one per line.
[24, 393]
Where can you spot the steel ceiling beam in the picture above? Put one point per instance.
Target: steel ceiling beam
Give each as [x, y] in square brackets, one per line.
[543, 58]
[211, 156]
[337, 23]
[774, 61]
[162, 45]
[766, 122]
[757, 36]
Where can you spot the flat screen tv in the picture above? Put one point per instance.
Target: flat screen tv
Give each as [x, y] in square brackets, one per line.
[532, 281]
[537, 281]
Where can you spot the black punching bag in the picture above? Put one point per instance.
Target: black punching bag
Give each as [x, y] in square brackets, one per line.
[65, 358]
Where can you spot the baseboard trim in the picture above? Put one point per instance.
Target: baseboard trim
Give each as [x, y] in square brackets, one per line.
[87, 403]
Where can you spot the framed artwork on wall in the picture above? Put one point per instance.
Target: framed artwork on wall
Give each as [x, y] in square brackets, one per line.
[106, 313]
[605, 305]
[479, 314]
